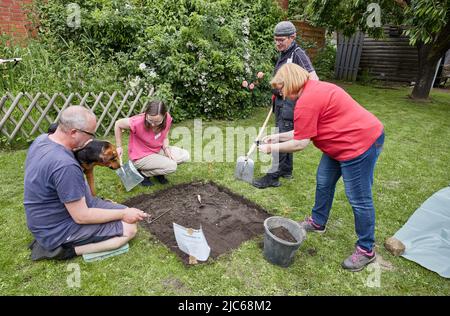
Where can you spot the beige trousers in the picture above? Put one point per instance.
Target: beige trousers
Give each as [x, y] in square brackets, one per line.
[160, 164]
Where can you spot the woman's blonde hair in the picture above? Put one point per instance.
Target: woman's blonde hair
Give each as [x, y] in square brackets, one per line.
[291, 77]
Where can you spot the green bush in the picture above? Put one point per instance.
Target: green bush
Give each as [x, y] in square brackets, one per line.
[49, 68]
[200, 51]
[296, 9]
[195, 53]
[108, 26]
[325, 61]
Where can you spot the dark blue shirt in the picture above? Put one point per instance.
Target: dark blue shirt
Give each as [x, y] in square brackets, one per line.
[52, 177]
[294, 54]
[284, 109]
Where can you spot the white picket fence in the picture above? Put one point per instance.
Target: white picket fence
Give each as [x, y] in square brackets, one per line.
[25, 115]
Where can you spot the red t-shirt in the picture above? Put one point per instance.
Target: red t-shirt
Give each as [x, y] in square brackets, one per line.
[334, 122]
[143, 141]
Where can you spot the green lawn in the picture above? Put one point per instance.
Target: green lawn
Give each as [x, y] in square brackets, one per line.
[414, 164]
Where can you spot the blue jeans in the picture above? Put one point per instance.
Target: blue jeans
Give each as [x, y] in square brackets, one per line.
[357, 174]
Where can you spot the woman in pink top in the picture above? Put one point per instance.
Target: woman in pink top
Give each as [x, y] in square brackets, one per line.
[350, 138]
[148, 146]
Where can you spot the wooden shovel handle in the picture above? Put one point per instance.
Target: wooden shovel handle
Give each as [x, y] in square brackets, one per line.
[252, 148]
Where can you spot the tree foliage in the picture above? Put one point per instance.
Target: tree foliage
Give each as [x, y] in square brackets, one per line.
[348, 16]
[426, 20]
[427, 23]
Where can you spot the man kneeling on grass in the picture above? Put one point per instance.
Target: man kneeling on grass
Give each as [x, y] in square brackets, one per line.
[63, 216]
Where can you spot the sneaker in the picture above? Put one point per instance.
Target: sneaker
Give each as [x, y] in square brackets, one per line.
[358, 260]
[161, 179]
[309, 225]
[146, 182]
[266, 181]
[61, 253]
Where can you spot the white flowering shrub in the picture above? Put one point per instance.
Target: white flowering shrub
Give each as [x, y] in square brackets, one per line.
[201, 51]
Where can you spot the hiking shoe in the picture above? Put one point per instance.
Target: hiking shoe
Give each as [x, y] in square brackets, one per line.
[358, 260]
[286, 175]
[161, 179]
[61, 253]
[309, 225]
[266, 181]
[146, 182]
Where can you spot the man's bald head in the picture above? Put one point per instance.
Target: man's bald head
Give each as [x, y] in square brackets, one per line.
[76, 117]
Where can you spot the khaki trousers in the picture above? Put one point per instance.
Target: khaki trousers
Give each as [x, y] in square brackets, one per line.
[159, 164]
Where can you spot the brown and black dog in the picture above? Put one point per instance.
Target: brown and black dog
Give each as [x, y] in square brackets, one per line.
[95, 153]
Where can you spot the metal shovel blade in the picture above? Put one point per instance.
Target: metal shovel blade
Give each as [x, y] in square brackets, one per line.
[244, 169]
[129, 175]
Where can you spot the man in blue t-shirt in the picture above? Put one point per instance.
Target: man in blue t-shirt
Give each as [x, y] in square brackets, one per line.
[63, 216]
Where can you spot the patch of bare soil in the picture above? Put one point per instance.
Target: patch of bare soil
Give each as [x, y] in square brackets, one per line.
[226, 218]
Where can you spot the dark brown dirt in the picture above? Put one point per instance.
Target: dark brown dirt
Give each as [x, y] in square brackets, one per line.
[226, 218]
[283, 233]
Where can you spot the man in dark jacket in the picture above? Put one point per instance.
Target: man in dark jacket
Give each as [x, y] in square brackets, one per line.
[285, 34]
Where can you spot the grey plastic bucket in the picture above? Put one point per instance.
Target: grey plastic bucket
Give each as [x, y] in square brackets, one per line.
[279, 251]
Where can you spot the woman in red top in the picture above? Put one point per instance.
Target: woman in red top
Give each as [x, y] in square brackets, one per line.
[351, 139]
[148, 146]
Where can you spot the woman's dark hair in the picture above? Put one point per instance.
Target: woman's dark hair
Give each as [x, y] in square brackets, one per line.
[156, 108]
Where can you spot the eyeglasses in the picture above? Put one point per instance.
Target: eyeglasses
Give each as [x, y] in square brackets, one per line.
[280, 40]
[154, 123]
[86, 132]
